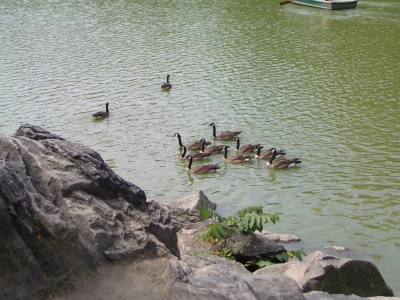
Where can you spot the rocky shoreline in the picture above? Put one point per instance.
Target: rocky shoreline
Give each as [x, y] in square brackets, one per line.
[67, 218]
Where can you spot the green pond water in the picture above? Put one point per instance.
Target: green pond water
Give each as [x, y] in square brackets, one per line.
[322, 85]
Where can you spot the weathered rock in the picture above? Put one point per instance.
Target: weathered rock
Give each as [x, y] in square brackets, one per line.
[256, 245]
[63, 212]
[325, 296]
[280, 238]
[185, 210]
[187, 239]
[251, 246]
[212, 277]
[185, 215]
[321, 272]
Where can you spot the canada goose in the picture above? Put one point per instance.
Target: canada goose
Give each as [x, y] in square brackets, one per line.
[195, 156]
[212, 149]
[102, 114]
[201, 168]
[196, 145]
[224, 136]
[245, 148]
[267, 154]
[166, 85]
[236, 158]
[281, 163]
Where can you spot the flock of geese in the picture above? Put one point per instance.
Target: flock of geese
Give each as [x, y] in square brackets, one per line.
[206, 150]
[241, 152]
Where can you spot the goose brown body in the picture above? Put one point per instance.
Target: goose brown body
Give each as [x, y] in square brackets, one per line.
[245, 148]
[195, 145]
[102, 114]
[201, 168]
[268, 153]
[166, 85]
[195, 156]
[281, 163]
[224, 136]
[212, 149]
[235, 158]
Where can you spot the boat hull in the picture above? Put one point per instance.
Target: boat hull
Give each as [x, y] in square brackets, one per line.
[334, 5]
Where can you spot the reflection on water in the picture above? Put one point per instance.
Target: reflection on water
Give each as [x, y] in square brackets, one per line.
[322, 85]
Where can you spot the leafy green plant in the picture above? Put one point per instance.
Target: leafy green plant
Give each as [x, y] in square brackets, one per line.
[259, 262]
[285, 256]
[247, 221]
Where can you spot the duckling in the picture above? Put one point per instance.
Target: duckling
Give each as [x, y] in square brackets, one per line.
[212, 149]
[102, 114]
[245, 148]
[195, 156]
[236, 158]
[281, 163]
[195, 145]
[224, 136]
[166, 85]
[267, 154]
[201, 168]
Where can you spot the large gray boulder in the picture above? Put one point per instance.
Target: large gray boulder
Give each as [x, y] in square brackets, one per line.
[213, 277]
[322, 272]
[64, 212]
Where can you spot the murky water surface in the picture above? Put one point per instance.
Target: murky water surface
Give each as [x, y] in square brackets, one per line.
[322, 85]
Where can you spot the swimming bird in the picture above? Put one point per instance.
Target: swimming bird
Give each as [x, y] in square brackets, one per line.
[212, 149]
[224, 136]
[195, 156]
[195, 145]
[236, 158]
[102, 114]
[268, 153]
[166, 85]
[281, 163]
[245, 148]
[201, 168]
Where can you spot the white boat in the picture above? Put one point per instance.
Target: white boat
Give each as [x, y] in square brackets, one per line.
[327, 4]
